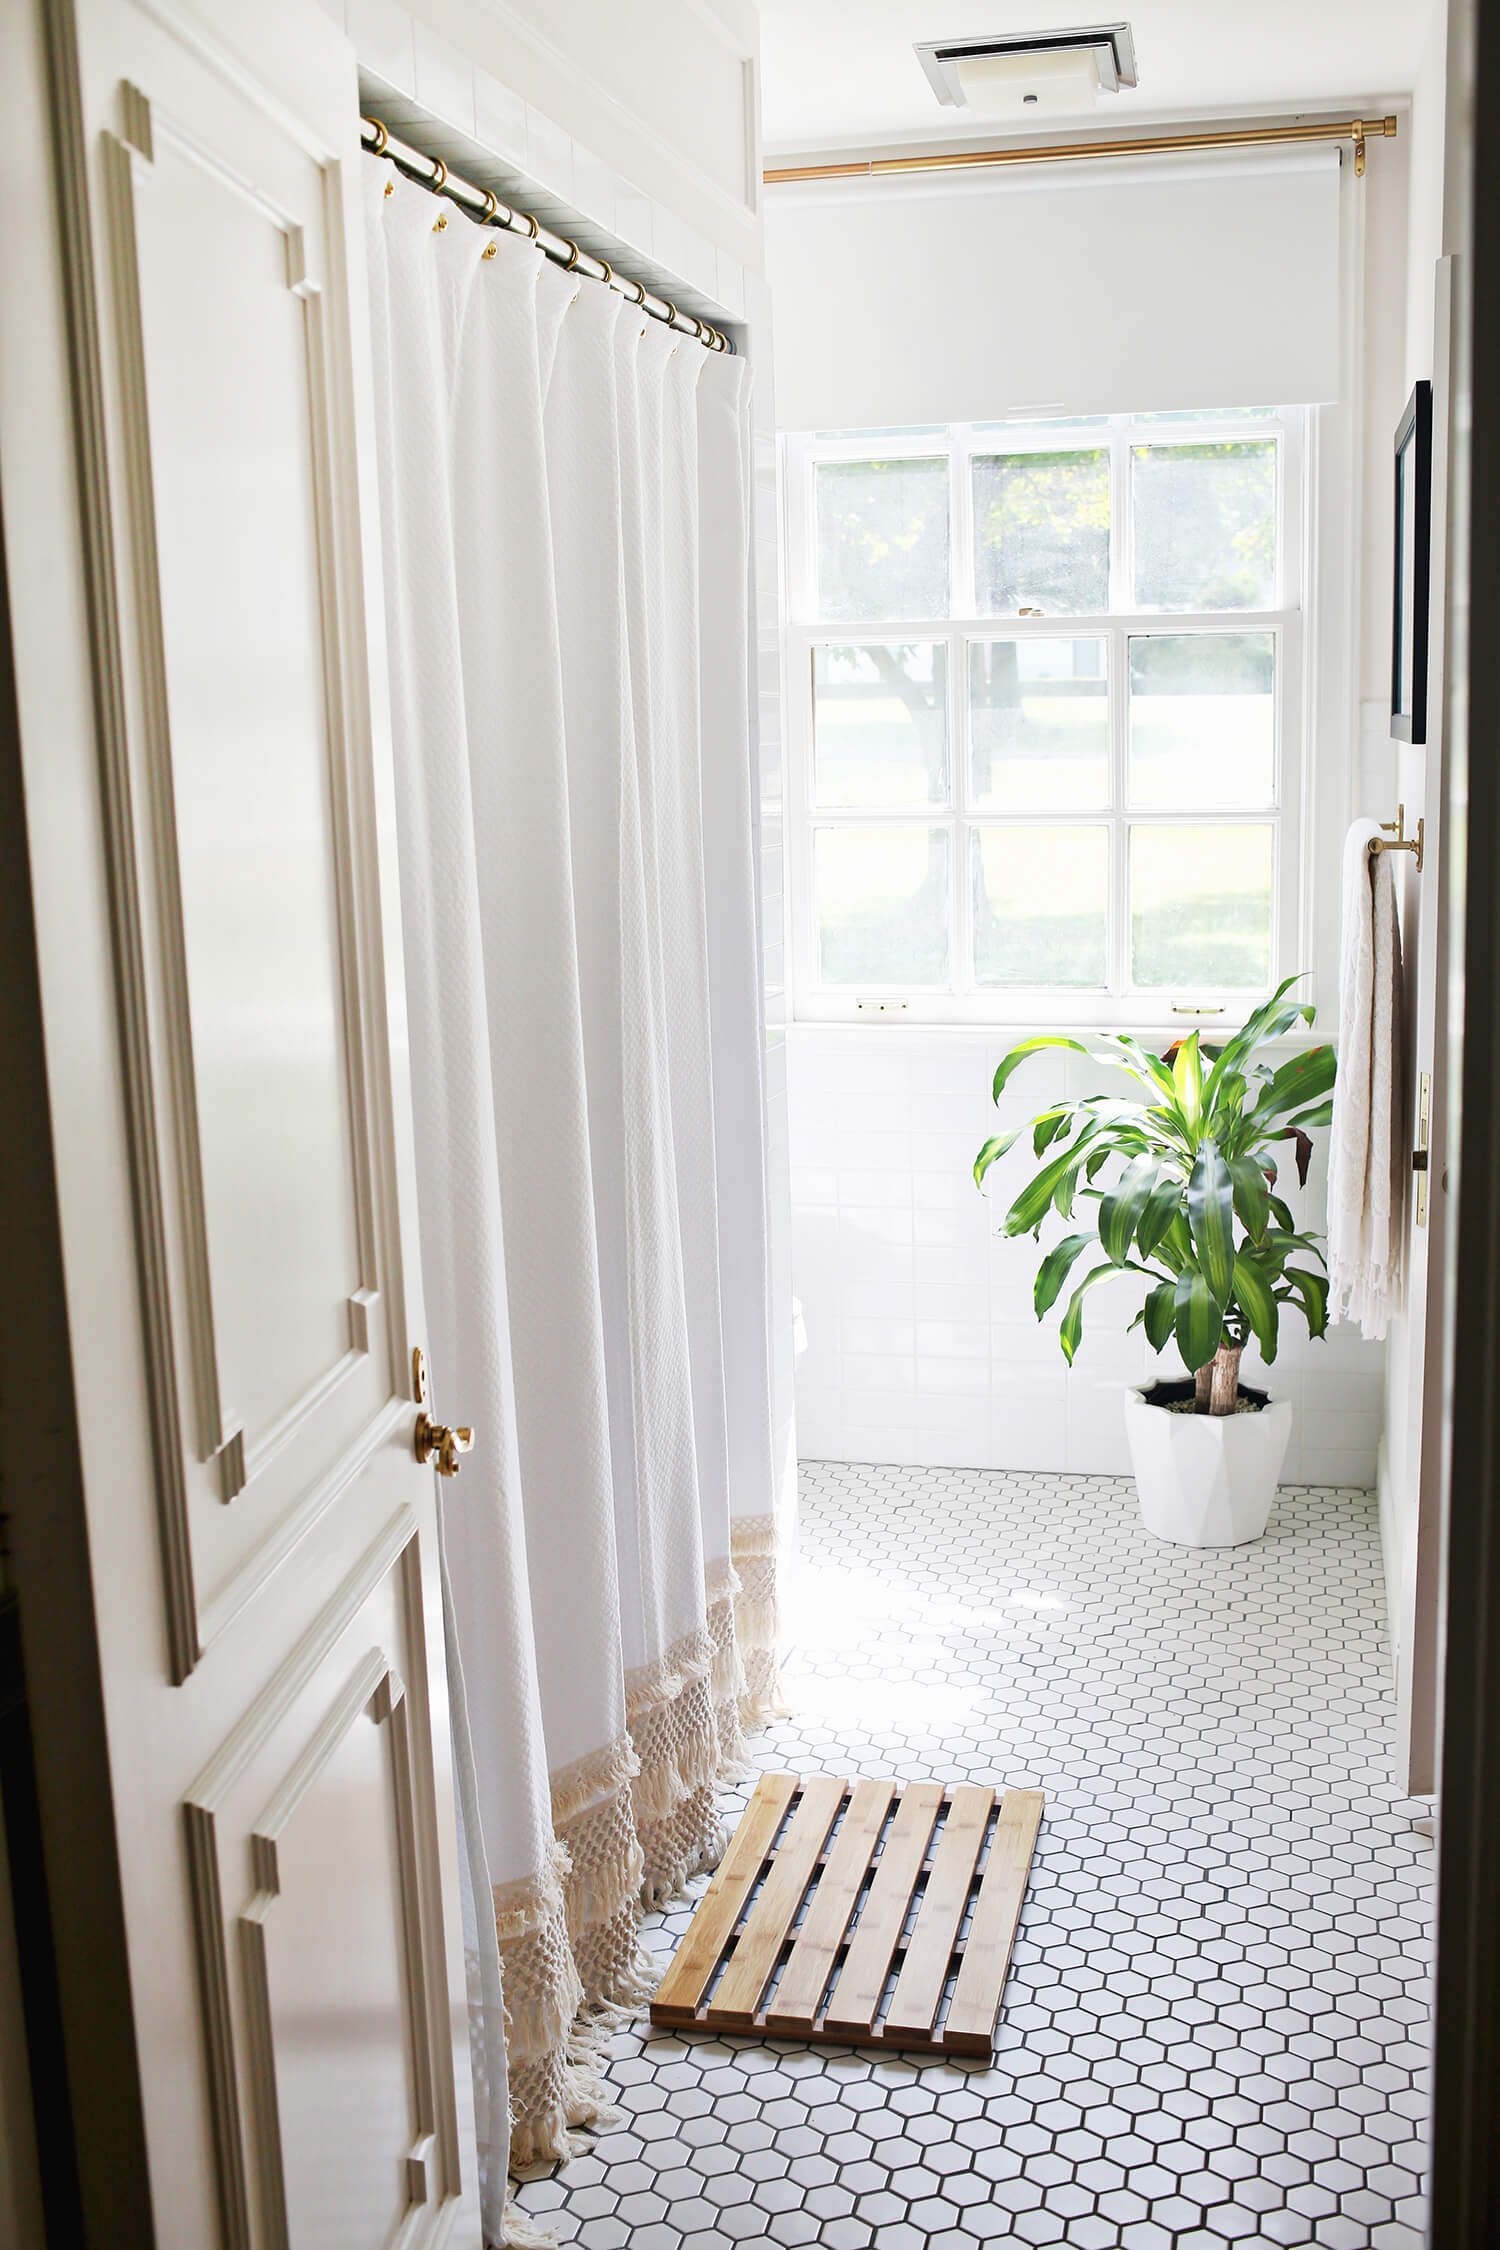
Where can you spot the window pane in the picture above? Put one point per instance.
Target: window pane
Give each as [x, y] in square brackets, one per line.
[1039, 724]
[1205, 525]
[1200, 908]
[1202, 719]
[1040, 898]
[1041, 533]
[882, 538]
[880, 725]
[881, 897]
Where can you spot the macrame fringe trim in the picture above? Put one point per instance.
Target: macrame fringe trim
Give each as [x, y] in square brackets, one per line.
[520, 2234]
[721, 1582]
[589, 1780]
[754, 1535]
[757, 1623]
[555, 2053]
[691, 1842]
[672, 1768]
[691, 1658]
[756, 1545]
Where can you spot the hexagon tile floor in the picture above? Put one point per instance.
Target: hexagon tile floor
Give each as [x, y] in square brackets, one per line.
[1215, 2028]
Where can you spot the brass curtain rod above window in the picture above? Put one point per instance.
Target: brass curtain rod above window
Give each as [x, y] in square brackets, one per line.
[1355, 129]
[487, 210]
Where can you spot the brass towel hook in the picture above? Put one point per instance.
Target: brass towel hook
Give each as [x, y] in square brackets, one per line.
[1395, 839]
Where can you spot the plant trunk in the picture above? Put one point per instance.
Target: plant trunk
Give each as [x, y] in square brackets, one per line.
[1223, 1372]
[1203, 1388]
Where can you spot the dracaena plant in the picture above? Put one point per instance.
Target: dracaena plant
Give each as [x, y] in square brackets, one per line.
[1179, 1182]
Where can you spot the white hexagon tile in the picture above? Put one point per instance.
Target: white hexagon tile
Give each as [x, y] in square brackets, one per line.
[1215, 2026]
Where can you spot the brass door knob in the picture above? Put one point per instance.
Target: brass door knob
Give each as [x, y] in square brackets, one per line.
[435, 1442]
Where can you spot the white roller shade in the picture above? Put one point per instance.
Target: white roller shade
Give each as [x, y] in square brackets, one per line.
[1081, 289]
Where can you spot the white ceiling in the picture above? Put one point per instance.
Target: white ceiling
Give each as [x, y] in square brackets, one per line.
[841, 73]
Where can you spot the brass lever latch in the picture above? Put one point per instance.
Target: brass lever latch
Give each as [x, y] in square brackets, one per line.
[435, 1441]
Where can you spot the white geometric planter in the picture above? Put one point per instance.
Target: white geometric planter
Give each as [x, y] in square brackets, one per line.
[1206, 1480]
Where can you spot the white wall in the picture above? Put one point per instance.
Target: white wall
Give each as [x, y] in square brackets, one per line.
[921, 1341]
[662, 94]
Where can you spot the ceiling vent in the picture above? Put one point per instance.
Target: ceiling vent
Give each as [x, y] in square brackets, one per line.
[1023, 74]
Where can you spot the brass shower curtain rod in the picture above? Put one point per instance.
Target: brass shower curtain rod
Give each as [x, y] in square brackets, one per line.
[1355, 129]
[487, 210]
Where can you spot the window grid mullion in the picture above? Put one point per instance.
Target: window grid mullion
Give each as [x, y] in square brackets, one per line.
[1119, 796]
[962, 822]
[962, 597]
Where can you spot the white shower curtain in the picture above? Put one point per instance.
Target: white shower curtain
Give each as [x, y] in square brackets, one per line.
[563, 511]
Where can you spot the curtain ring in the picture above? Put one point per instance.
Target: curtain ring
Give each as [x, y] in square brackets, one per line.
[608, 274]
[382, 137]
[673, 315]
[531, 222]
[437, 185]
[572, 256]
[640, 291]
[491, 206]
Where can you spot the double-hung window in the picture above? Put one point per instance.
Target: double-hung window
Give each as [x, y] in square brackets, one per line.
[1045, 711]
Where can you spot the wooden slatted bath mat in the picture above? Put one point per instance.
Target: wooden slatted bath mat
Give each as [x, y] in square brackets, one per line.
[771, 1948]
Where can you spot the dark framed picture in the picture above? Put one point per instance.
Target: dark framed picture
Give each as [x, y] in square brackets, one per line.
[1413, 561]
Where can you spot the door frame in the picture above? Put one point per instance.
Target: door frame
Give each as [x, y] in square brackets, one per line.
[1465, 2196]
[81, 2038]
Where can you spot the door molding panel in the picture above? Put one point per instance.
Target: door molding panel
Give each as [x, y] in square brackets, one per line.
[236, 1985]
[96, 535]
[205, 1589]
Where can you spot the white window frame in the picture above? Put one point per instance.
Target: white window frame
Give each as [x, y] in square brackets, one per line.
[1117, 1003]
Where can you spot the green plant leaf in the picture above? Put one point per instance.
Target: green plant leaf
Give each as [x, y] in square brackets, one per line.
[1048, 1126]
[1252, 1195]
[1161, 1207]
[1301, 1080]
[1210, 1204]
[1269, 1021]
[992, 1151]
[1158, 1315]
[1071, 1329]
[1018, 1055]
[1187, 1078]
[1055, 1269]
[1198, 1319]
[1036, 1198]
[1311, 1291]
[1148, 1068]
[1121, 1209]
[1256, 1300]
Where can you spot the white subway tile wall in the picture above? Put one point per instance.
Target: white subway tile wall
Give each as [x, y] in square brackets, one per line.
[428, 90]
[922, 1344]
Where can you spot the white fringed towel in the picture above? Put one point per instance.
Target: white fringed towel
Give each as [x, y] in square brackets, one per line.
[1365, 1172]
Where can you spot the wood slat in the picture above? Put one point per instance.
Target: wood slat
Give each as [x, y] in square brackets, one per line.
[758, 1948]
[745, 1963]
[722, 1904]
[861, 1980]
[821, 1935]
[970, 2028]
[924, 1972]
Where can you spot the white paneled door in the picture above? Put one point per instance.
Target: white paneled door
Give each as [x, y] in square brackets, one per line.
[190, 531]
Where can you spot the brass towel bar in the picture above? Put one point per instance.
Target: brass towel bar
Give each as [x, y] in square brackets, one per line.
[1395, 839]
